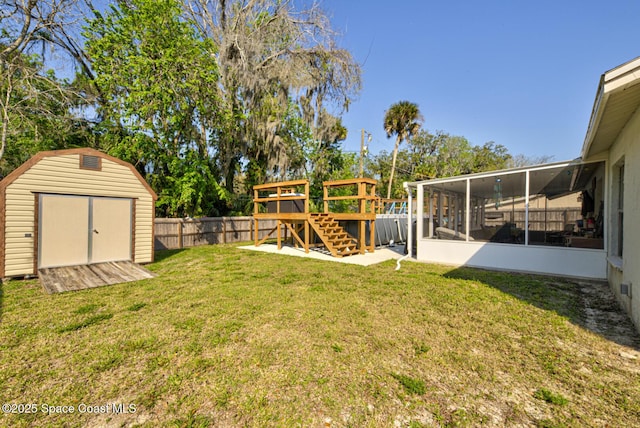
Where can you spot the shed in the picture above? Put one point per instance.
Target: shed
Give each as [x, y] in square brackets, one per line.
[74, 207]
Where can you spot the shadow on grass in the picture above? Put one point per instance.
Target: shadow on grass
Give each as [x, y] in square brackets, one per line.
[161, 255]
[1, 298]
[588, 304]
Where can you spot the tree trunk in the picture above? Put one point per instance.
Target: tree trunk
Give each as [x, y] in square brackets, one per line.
[5, 119]
[393, 166]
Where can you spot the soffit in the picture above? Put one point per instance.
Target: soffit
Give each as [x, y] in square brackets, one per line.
[617, 99]
[619, 108]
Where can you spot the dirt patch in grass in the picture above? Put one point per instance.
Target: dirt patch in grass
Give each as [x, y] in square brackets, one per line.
[589, 304]
[602, 314]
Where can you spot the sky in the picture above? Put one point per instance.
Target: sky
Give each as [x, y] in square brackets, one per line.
[522, 74]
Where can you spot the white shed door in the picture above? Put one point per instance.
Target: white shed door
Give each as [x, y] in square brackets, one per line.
[111, 230]
[76, 230]
[63, 231]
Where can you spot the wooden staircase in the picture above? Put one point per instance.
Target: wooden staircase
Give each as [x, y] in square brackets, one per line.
[335, 238]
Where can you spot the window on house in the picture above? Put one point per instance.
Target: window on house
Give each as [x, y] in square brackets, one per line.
[620, 209]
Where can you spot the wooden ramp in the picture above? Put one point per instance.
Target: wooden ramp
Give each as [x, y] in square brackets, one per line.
[71, 278]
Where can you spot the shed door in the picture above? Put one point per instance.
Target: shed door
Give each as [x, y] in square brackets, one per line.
[75, 230]
[111, 229]
[63, 231]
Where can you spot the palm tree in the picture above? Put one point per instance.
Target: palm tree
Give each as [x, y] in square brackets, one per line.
[403, 119]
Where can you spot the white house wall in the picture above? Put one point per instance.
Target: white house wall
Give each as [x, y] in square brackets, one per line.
[627, 146]
[561, 261]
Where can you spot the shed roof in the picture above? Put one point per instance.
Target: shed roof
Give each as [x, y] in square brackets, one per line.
[80, 151]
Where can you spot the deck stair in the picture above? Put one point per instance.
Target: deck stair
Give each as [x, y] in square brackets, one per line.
[335, 238]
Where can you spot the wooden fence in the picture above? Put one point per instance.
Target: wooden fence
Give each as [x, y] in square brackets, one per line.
[172, 233]
[553, 219]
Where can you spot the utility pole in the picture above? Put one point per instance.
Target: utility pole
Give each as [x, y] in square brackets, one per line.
[363, 150]
[361, 154]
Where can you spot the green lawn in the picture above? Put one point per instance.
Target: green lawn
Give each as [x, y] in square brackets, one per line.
[229, 337]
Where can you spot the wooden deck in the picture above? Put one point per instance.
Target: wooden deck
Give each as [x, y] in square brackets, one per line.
[71, 278]
[288, 204]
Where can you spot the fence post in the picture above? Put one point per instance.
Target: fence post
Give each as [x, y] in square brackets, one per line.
[180, 243]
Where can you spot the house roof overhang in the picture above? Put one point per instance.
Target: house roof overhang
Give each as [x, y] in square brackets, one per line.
[617, 98]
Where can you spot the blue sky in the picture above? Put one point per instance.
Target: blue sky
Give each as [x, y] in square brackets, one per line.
[522, 74]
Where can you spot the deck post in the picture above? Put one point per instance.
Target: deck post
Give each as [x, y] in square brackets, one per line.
[256, 231]
[325, 199]
[306, 199]
[372, 224]
[306, 223]
[279, 226]
[255, 218]
[362, 204]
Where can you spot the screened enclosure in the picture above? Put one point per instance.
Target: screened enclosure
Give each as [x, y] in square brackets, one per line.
[557, 206]
[544, 205]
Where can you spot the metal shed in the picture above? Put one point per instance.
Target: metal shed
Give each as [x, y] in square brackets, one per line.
[74, 207]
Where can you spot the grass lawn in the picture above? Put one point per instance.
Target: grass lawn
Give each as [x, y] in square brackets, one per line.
[229, 337]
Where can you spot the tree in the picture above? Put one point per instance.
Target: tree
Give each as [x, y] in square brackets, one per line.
[379, 166]
[403, 119]
[490, 157]
[523, 160]
[33, 102]
[272, 57]
[159, 85]
[440, 155]
[327, 161]
[36, 110]
[436, 155]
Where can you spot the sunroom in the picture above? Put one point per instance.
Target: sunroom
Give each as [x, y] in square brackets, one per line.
[546, 219]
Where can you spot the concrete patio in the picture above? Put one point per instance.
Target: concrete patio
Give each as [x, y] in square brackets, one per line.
[381, 254]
